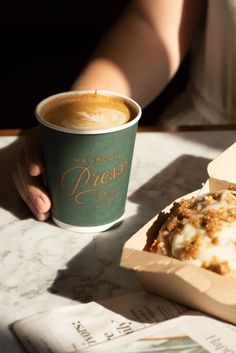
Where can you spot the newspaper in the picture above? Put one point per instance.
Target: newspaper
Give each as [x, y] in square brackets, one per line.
[138, 322]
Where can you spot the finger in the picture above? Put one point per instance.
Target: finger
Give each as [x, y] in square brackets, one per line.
[27, 199]
[32, 189]
[33, 154]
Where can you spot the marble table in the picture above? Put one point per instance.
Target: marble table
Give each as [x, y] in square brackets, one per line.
[43, 266]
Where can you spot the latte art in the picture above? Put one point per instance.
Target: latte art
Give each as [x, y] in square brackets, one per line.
[88, 112]
[103, 118]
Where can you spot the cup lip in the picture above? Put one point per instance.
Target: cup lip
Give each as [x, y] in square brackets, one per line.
[88, 132]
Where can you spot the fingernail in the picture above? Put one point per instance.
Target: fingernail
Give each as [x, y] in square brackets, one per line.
[43, 216]
[39, 205]
[34, 170]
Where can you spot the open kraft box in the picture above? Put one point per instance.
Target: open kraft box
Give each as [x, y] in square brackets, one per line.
[195, 287]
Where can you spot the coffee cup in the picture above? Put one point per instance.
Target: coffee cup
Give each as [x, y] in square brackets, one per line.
[88, 139]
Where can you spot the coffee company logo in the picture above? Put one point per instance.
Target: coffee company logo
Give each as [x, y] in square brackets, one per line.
[97, 159]
[80, 181]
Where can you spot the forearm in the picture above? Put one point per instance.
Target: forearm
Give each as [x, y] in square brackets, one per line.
[125, 62]
[141, 53]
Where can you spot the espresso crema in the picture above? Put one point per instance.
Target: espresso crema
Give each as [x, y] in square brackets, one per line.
[90, 111]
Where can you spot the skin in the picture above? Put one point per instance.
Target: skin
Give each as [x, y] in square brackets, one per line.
[138, 57]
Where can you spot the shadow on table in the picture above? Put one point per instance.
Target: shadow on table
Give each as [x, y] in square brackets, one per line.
[9, 197]
[8, 344]
[95, 273]
[217, 139]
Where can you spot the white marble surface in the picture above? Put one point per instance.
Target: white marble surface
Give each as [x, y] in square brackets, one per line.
[43, 266]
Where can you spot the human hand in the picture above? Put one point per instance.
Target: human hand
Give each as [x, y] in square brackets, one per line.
[28, 179]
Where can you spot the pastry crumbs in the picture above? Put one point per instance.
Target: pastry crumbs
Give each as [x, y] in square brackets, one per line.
[221, 268]
[191, 248]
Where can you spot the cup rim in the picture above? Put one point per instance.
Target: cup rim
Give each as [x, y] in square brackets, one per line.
[88, 132]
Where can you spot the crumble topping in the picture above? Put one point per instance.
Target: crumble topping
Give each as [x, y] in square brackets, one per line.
[201, 231]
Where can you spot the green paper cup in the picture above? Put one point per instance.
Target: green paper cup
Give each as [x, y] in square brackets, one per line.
[87, 171]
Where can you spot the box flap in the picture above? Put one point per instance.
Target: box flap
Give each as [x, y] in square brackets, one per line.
[223, 168]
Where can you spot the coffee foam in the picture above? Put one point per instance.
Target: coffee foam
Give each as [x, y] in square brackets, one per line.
[88, 112]
[102, 118]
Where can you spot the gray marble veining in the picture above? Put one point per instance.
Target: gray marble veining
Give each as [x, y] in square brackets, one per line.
[43, 266]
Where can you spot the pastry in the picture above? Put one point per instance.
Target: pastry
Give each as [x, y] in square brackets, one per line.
[201, 231]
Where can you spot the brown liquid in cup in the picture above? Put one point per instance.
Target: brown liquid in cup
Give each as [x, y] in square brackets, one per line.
[90, 111]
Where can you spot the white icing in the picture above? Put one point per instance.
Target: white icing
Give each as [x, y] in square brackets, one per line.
[225, 250]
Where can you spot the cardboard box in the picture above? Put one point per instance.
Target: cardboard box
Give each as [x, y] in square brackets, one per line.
[195, 287]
